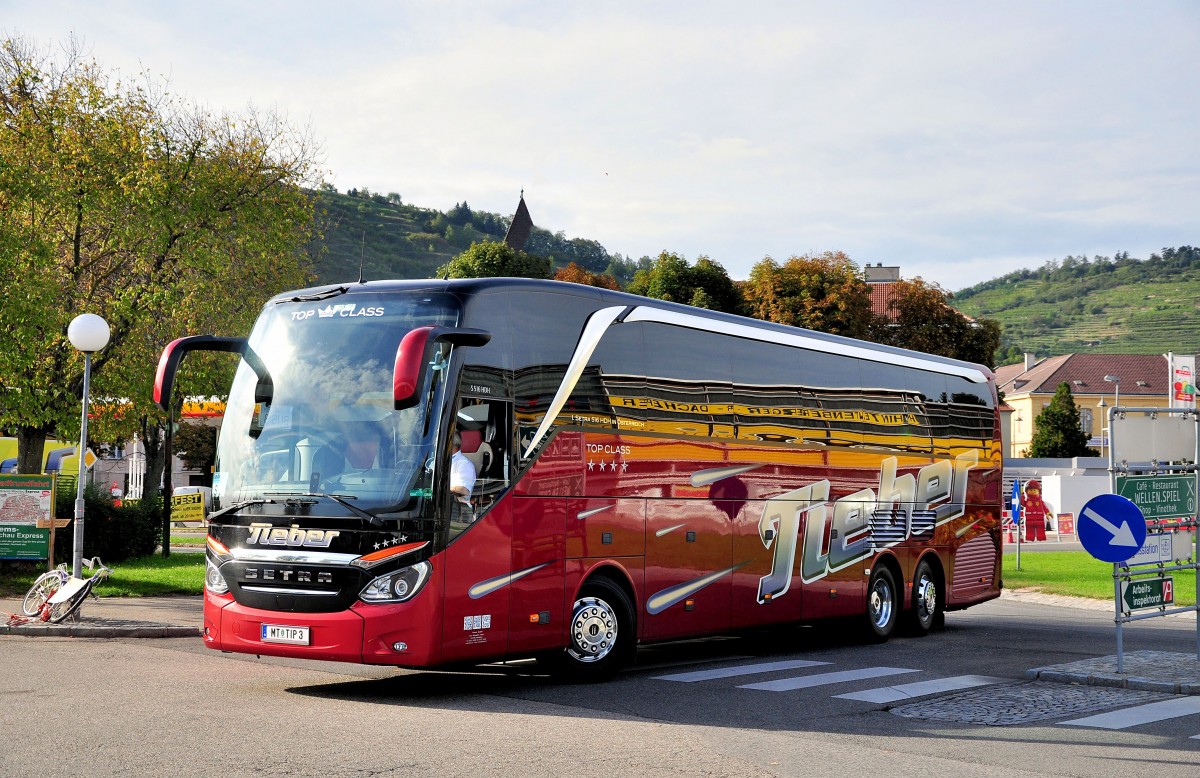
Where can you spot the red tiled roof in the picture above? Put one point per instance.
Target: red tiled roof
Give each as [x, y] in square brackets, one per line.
[881, 295]
[1140, 374]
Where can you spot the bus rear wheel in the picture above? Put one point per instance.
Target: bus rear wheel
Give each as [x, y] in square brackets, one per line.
[602, 637]
[927, 605]
[882, 604]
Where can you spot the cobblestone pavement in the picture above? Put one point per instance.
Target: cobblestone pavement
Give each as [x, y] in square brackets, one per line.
[1072, 688]
[1023, 703]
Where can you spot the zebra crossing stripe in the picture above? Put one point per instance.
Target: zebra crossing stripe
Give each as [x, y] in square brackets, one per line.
[1140, 714]
[921, 688]
[730, 672]
[822, 679]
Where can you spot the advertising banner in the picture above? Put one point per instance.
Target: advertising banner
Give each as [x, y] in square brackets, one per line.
[26, 510]
[1183, 382]
[187, 508]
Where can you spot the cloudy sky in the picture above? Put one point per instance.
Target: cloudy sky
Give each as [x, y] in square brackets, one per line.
[958, 141]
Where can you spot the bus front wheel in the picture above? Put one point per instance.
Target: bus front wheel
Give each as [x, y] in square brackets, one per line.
[602, 638]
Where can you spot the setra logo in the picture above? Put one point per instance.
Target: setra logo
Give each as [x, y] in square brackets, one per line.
[294, 536]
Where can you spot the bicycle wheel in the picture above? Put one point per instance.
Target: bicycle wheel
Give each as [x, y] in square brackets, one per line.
[43, 589]
[64, 609]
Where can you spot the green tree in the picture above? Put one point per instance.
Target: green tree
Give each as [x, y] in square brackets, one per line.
[164, 219]
[920, 318]
[704, 285]
[196, 445]
[825, 293]
[495, 259]
[1056, 430]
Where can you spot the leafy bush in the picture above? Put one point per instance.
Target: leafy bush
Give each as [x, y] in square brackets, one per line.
[113, 533]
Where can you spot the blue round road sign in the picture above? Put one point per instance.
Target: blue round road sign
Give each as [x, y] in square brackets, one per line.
[1111, 527]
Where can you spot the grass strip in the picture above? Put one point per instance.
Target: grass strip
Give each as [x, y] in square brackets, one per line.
[148, 576]
[1078, 574]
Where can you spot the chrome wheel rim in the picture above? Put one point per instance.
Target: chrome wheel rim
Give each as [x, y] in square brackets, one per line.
[881, 603]
[926, 599]
[593, 630]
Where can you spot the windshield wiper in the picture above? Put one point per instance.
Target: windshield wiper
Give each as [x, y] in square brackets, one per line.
[340, 499]
[237, 506]
[321, 295]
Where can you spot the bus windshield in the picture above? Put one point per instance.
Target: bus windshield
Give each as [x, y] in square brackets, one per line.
[322, 420]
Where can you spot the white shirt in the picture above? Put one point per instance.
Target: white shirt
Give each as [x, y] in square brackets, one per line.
[462, 474]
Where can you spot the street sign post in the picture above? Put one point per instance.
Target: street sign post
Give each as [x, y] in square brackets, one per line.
[1016, 516]
[1111, 528]
[1160, 496]
[1148, 593]
[1153, 463]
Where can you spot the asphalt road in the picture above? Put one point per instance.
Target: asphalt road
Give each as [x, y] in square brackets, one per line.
[797, 702]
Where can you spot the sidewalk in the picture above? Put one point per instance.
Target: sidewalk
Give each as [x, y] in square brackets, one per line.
[117, 617]
[1154, 671]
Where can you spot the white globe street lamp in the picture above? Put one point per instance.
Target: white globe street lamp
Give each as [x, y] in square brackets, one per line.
[88, 333]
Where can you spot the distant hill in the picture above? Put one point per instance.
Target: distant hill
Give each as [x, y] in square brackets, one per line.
[396, 240]
[1103, 305]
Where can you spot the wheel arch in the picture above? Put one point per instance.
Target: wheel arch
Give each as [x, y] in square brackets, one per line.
[888, 559]
[619, 576]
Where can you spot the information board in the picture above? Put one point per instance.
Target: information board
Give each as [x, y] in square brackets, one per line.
[1160, 496]
[26, 508]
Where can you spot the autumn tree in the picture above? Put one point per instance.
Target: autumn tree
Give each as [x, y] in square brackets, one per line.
[166, 220]
[825, 293]
[495, 259]
[919, 317]
[704, 285]
[1056, 430]
[574, 274]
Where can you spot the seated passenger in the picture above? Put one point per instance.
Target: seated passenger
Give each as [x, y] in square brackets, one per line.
[462, 482]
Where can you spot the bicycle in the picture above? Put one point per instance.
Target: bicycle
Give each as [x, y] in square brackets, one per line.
[66, 601]
[43, 589]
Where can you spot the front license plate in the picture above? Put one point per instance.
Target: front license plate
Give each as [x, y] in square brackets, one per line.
[278, 633]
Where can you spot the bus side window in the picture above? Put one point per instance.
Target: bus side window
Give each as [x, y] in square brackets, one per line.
[486, 428]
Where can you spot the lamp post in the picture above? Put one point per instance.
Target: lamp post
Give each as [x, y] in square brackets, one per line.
[1112, 379]
[88, 333]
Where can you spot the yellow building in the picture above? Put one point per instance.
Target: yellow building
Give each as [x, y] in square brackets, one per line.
[1097, 381]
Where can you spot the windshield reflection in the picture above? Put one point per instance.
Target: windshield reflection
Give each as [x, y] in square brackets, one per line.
[328, 424]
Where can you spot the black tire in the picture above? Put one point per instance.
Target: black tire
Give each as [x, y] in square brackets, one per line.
[43, 589]
[883, 602]
[65, 609]
[928, 600]
[602, 634]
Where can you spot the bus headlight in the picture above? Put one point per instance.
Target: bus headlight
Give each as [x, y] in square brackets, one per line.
[213, 580]
[397, 586]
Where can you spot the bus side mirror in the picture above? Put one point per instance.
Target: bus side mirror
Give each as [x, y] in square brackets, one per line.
[176, 350]
[414, 355]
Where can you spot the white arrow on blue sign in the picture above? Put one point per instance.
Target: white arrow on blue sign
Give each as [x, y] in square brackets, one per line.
[1111, 527]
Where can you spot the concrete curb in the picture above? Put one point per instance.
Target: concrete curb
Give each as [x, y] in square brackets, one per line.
[1148, 671]
[116, 617]
[100, 629]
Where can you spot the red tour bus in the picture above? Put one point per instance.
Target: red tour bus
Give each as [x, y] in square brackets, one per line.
[646, 471]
